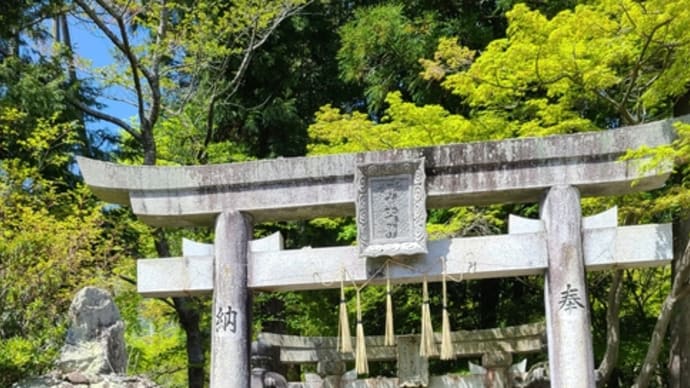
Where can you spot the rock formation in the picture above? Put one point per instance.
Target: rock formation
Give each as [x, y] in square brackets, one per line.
[94, 353]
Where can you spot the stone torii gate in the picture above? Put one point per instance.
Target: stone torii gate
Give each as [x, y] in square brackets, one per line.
[554, 171]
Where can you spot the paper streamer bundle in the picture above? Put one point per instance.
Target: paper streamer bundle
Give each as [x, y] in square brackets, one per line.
[361, 363]
[345, 339]
[447, 351]
[389, 338]
[427, 347]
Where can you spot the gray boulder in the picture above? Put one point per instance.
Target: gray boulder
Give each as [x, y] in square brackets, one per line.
[95, 340]
[94, 354]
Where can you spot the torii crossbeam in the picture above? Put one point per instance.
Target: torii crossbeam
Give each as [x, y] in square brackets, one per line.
[521, 252]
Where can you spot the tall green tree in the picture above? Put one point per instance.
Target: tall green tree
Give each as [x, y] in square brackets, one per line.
[52, 235]
[169, 58]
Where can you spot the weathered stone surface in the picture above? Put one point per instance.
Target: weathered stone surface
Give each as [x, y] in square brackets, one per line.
[391, 208]
[262, 378]
[77, 377]
[376, 382]
[413, 370]
[330, 367]
[95, 340]
[467, 258]
[571, 355]
[94, 353]
[92, 312]
[230, 335]
[527, 338]
[456, 381]
[509, 171]
[272, 242]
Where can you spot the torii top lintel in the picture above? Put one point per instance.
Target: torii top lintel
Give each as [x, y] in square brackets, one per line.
[507, 171]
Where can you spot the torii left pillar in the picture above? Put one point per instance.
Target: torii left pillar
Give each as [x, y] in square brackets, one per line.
[230, 344]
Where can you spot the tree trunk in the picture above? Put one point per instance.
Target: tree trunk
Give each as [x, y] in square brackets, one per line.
[610, 359]
[189, 316]
[679, 357]
[148, 146]
[679, 290]
[679, 354]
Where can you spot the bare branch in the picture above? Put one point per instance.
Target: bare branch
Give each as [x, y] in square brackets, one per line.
[640, 60]
[128, 279]
[123, 45]
[655, 343]
[154, 78]
[105, 117]
[201, 155]
[625, 115]
[255, 42]
[167, 301]
[126, 49]
[93, 16]
[122, 100]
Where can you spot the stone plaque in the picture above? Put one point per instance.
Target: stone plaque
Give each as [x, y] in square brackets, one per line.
[391, 208]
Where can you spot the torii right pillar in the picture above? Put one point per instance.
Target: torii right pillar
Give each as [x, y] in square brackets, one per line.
[571, 357]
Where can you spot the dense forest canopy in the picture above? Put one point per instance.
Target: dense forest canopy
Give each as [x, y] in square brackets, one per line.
[212, 81]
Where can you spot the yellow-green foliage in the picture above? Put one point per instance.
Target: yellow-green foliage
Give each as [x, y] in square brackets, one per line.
[620, 58]
[51, 242]
[674, 199]
[605, 63]
[404, 125]
[56, 239]
[195, 37]
[157, 347]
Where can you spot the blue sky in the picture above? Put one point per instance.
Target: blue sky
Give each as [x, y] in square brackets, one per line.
[95, 47]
